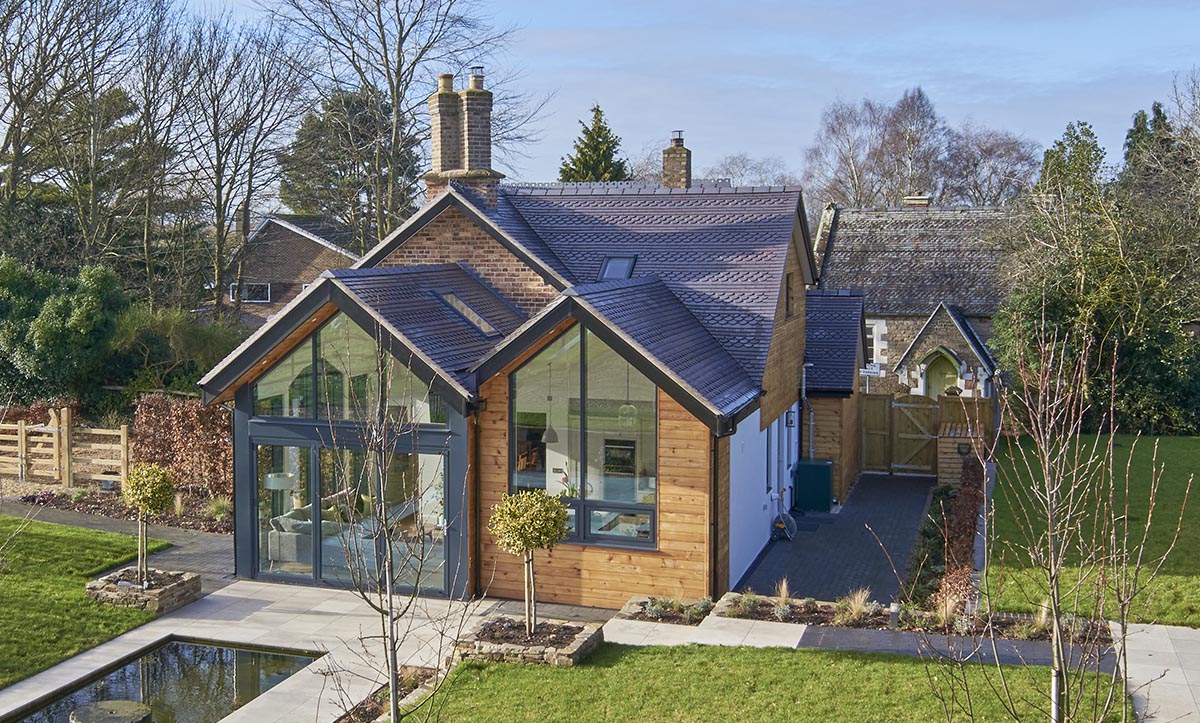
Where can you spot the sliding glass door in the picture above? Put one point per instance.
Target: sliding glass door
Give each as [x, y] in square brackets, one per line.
[285, 525]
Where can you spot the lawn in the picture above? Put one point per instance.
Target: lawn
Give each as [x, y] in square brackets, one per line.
[694, 683]
[1175, 596]
[45, 616]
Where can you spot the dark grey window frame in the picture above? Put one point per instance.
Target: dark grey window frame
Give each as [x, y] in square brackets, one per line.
[313, 434]
[581, 505]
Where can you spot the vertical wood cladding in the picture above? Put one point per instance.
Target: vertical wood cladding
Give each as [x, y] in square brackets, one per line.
[785, 357]
[454, 238]
[582, 574]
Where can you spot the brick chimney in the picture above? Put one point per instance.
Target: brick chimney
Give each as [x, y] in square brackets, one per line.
[677, 163]
[461, 125]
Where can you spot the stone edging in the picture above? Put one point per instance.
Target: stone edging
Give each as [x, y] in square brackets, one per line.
[158, 600]
[586, 640]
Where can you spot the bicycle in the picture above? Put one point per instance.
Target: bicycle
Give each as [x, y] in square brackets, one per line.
[784, 525]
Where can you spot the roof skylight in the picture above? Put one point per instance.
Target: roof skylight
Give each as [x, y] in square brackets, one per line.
[617, 267]
[469, 314]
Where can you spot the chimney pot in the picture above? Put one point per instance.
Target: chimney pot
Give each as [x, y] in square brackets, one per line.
[677, 138]
[446, 83]
[475, 81]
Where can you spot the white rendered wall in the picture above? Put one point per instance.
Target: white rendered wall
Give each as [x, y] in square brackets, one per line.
[757, 458]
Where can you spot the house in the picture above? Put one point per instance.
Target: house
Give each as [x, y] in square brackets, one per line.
[931, 282]
[281, 257]
[636, 348]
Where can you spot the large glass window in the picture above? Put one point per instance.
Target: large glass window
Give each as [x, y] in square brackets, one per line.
[285, 521]
[354, 516]
[585, 426]
[337, 375]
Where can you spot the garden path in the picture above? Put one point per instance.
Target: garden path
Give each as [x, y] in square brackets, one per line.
[208, 554]
[833, 554]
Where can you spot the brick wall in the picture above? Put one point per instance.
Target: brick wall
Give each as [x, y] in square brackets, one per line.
[454, 238]
[287, 261]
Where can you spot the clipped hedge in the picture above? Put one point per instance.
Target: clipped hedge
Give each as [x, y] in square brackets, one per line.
[193, 442]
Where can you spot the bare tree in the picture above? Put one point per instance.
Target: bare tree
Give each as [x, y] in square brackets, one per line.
[988, 167]
[158, 86]
[841, 164]
[84, 148]
[913, 148]
[249, 87]
[742, 170]
[43, 42]
[399, 47]
[388, 503]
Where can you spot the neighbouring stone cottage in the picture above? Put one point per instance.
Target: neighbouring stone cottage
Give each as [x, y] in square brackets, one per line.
[931, 284]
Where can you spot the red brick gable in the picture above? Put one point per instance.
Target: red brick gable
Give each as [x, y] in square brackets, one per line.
[452, 237]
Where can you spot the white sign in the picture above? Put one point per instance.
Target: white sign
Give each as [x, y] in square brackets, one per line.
[871, 370]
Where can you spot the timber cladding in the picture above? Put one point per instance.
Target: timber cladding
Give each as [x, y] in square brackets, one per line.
[835, 437]
[454, 238]
[785, 357]
[606, 576]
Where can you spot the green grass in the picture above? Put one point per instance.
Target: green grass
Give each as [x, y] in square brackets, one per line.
[45, 616]
[1175, 596]
[657, 685]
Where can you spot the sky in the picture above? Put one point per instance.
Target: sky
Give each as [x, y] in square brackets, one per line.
[745, 76]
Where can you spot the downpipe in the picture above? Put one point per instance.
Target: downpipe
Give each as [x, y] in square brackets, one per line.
[812, 415]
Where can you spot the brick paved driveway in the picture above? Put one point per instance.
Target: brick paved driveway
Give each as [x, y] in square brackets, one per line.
[834, 554]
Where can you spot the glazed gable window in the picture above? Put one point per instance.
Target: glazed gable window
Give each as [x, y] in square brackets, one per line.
[336, 374]
[584, 425]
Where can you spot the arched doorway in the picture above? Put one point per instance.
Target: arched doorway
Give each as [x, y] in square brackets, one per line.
[941, 372]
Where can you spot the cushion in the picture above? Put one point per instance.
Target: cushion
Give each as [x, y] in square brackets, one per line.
[291, 524]
[330, 528]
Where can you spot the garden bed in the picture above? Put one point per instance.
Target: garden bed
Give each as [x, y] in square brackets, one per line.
[412, 679]
[666, 610]
[554, 642]
[859, 612]
[165, 590]
[196, 510]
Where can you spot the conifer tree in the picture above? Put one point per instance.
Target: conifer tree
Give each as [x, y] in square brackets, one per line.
[595, 156]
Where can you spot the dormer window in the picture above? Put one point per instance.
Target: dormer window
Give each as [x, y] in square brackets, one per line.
[617, 267]
[469, 314]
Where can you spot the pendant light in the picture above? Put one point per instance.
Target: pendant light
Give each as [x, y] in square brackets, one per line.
[549, 436]
[627, 415]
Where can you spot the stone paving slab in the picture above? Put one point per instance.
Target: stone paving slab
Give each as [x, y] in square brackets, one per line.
[1164, 671]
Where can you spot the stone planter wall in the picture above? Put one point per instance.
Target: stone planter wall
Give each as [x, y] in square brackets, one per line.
[157, 600]
[584, 643]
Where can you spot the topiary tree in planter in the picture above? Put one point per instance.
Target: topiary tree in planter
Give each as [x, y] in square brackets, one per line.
[148, 488]
[524, 522]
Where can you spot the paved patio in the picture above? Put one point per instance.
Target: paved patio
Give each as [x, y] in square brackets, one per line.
[833, 554]
[1164, 672]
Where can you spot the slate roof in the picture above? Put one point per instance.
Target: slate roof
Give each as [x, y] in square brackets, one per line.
[647, 312]
[720, 250]
[409, 299]
[833, 336]
[323, 227]
[909, 259]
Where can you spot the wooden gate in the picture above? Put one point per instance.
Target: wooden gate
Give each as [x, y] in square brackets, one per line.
[899, 434]
[914, 435]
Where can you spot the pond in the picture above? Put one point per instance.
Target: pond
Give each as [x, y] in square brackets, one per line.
[182, 682]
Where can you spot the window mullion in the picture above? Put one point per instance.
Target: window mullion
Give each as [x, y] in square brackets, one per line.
[581, 513]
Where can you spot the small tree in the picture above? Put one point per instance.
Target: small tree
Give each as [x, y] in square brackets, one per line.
[524, 522]
[595, 156]
[147, 489]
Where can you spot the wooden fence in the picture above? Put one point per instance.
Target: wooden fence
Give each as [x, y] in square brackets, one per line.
[899, 434]
[60, 451]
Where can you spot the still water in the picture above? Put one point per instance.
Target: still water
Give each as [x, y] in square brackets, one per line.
[182, 683]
